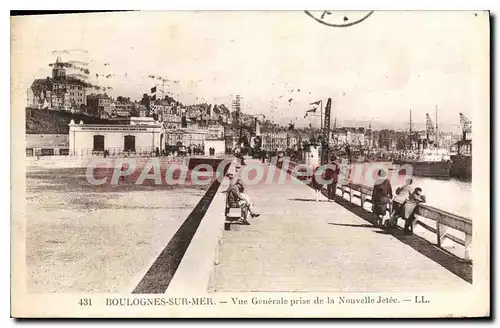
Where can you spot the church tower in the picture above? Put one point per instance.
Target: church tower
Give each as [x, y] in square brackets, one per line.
[58, 71]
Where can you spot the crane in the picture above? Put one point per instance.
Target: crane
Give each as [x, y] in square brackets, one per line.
[466, 125]
[429, 127]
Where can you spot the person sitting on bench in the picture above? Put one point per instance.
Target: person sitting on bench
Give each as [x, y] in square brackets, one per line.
[246, 199]
[237, 197]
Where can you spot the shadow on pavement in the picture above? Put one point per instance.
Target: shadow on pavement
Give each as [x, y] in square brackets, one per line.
[308, 200]
[354, 225]
[452, 263]
[458, 266]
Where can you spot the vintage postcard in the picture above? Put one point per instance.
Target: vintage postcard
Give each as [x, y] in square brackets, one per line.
[244, 164]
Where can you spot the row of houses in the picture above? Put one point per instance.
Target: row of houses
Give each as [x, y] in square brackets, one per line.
[66, 93]
[294, 139]
[353, 136]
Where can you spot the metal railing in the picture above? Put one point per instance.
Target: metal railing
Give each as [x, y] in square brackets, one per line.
[444, 221]
[51, 151]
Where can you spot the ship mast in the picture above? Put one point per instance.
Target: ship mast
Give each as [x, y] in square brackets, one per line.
[437, 129]
[411, 144]
[410, 121]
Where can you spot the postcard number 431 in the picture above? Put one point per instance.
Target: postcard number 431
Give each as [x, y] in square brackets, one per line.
[85, 302]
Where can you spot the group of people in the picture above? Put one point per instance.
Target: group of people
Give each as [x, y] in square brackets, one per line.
[211, 151]
[403, 203]
[330, 175]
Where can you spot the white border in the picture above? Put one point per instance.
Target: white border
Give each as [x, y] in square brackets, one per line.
[186, 4]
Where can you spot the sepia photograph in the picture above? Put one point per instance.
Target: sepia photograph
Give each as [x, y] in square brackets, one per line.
[313, 163]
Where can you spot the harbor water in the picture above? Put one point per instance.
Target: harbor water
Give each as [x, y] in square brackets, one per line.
[452, 195]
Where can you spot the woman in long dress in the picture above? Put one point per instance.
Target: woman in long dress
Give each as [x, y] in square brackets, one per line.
[381, 197]
[316, 184]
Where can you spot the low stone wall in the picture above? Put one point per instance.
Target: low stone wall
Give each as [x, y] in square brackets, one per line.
[194, 273]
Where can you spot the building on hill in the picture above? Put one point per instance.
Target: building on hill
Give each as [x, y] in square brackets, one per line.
[164, 107]
[99, 100]
[121, 107]
[143, 110]
[58, 92]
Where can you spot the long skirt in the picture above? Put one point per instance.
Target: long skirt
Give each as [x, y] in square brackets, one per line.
[379, 209]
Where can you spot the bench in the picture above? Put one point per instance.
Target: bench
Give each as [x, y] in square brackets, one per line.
[233, 213]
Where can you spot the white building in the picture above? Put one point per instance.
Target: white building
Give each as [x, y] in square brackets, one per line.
[293, 142]
[215, 131]
[141, 137]
[186, 137]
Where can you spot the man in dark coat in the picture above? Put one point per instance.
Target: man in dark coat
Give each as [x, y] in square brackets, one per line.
[332, 177]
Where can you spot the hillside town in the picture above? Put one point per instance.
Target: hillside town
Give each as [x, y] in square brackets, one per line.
[200, 128]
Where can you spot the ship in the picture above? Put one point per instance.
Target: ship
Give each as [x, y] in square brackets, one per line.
[428, 161]
[430, 164]
[462, 159]
[461, 166]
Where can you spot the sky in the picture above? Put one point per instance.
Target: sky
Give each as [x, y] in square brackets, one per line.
[375, 71]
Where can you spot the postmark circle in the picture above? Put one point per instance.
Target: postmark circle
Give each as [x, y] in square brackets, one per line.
[338, 18]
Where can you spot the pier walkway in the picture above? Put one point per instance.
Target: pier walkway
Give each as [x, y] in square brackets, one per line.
[298, 244]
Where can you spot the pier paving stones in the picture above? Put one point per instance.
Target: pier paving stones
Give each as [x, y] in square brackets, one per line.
[298, 244]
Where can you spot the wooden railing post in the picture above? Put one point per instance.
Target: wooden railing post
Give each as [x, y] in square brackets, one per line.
[441, 233]
[438, 233]
[350, 192]
[468, 243]
[414, 223]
